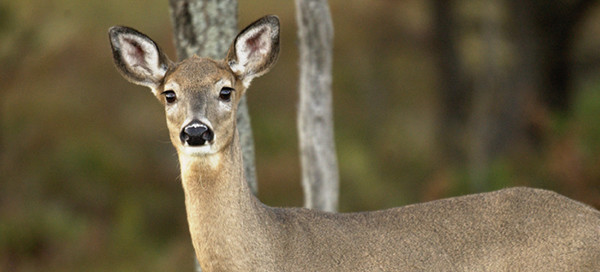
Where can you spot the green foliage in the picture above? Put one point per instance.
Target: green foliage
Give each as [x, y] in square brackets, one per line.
[587, 117]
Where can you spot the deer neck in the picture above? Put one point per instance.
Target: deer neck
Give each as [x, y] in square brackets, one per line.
[223, 215]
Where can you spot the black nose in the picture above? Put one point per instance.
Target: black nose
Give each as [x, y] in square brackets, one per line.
[196, 134]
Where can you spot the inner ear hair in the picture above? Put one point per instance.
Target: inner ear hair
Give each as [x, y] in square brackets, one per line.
[138, 58]
[255, 49]
[257, 42]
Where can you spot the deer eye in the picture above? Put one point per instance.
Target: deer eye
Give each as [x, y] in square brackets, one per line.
[170, 96]
[225, 94]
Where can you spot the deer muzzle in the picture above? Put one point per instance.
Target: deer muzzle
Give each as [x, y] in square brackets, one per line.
[196, 133]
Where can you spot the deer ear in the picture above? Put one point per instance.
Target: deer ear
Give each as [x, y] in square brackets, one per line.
[255, 50]
[137, 57]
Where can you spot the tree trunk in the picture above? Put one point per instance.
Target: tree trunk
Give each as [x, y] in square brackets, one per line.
[320, 177]
[553, 23]
[496, 114]
[509, 97]
[207, 28]
[454, 91]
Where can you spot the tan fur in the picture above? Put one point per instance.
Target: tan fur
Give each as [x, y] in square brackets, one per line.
[517, 229]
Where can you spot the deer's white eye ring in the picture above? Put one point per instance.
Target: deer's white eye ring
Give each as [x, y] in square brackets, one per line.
[170, 96]
[225, 94]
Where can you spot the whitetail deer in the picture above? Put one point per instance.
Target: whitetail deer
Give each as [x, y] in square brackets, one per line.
[517, 229]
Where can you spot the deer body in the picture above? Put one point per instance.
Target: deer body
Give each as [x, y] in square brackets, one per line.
[516, 229]
[519, 229]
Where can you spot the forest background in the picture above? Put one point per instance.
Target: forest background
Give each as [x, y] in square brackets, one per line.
[432, 99]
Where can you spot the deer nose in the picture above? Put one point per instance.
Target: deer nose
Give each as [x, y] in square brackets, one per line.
[196, 133]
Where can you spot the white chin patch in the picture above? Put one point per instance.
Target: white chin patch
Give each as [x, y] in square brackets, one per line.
[198, 150]
[204, 153]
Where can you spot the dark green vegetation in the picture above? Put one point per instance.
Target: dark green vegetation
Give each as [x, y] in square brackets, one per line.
[89, 180]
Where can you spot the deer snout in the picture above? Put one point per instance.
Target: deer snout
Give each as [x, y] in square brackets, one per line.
[196, 133]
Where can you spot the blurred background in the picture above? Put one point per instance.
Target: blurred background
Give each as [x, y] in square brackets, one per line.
[432, 99]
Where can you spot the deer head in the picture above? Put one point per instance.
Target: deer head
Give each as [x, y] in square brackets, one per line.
[200, 95]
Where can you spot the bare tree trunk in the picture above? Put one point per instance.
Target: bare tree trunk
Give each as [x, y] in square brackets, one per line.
[500, 108]
[320, 177]
[497, 109]
[553, 24]
[454, 91]
[207, 28]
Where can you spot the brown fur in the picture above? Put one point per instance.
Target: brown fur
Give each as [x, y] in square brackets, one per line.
[518, 229]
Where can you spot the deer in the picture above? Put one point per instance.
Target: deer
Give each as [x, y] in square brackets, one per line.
[514, 229]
